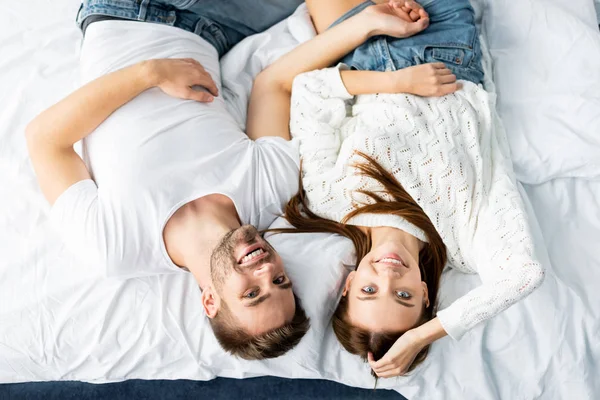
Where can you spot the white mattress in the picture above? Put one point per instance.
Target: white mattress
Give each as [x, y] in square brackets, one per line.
[60, 321]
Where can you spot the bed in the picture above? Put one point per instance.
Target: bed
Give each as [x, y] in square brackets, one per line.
[61, 321]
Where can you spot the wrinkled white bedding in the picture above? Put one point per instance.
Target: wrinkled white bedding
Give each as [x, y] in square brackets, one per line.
[60, 321]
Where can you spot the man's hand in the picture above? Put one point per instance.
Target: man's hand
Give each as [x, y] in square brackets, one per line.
[399, 357]
[400, 19]
[176, 77]
[427, 80]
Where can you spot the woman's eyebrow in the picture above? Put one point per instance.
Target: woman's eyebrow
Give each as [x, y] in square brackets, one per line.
[365, 298]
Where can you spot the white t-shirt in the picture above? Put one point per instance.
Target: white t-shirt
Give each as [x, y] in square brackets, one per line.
[157, 153]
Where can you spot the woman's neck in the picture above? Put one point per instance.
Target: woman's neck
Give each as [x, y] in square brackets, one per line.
[382, 234]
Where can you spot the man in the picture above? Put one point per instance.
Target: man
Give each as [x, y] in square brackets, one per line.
[170, 183]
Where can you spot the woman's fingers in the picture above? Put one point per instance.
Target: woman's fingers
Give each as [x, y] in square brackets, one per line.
[448, 78]
[438, 65]
[390, 373]
[418, 26]
[449, 88]
[416, 10]
[371, 359]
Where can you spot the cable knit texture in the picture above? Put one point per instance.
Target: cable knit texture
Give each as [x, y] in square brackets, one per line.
[447, 156]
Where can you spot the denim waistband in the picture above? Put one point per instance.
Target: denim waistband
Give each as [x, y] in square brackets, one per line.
[157, 12]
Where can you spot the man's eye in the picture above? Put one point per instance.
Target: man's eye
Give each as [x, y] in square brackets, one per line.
[403, 295]
[251, 295]
[369, 289]
[279, 280]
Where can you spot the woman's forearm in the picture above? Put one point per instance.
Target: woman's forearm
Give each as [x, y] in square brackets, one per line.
[76, 116]
[431, 331]
[321, 51]
[368, 82]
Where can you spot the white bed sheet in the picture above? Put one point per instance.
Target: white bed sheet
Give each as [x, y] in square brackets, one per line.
[58, 321]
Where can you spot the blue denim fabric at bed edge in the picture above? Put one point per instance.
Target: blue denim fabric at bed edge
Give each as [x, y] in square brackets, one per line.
[223, 23]
[451, 38]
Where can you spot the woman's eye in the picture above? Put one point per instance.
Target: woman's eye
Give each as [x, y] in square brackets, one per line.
[279, 280]
[403, 295]
[369, 289]
[251, 295]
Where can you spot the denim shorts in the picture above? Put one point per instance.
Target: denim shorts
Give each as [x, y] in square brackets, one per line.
[451, 38]
[223, 23]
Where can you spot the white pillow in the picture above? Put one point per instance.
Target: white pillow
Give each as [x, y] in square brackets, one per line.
[317, 264]
[549, 100]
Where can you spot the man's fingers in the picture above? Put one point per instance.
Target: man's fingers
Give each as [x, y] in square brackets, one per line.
[202, 97]
[414, 15]
[205, 80]
[443, 71]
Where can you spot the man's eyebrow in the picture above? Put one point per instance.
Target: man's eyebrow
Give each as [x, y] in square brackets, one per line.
[405, 304]
[257, 301]
[287, 285]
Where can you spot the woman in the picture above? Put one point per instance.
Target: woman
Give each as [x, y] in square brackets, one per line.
[411, 181]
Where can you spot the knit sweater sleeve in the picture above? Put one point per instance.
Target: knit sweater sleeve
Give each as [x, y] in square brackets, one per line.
[318, 109]
[502, 251]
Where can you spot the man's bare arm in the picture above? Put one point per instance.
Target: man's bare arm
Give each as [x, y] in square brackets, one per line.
[52, 134]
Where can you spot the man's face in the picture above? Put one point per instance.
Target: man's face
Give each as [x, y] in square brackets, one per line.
[248, 275]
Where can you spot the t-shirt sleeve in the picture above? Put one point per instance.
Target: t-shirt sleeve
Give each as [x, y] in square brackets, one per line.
[278, 173]
[79, 219]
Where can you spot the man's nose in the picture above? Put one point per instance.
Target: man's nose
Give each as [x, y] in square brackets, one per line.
[263, 269]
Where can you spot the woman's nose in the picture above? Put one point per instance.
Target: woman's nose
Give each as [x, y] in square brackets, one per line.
[390, 272]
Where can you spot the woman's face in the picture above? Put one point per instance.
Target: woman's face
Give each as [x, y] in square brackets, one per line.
[386, 293]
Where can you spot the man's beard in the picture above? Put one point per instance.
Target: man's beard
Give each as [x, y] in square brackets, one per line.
[223, 261]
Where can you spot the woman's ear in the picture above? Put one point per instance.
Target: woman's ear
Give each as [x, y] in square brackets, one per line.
[210, 301]
[348, 282]
[425, 294]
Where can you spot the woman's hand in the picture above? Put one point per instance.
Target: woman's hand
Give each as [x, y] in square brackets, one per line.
[176, 77]
[428, 80]
[400, 19]
[399, 357]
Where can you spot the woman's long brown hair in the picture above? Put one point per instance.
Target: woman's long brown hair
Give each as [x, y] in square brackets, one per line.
[432, 258]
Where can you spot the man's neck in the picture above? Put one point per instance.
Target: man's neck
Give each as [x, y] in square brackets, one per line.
[193, 232]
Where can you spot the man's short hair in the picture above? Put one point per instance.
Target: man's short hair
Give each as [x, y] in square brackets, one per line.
[273, 343]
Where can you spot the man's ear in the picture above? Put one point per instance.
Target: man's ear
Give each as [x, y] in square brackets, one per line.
[425, 294]
[210, 301]
[349, 279]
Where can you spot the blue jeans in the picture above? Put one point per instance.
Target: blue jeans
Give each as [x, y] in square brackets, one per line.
[223, 23]
[451, 38]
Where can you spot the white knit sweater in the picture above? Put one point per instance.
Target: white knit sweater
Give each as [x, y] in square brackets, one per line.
[445, 153]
